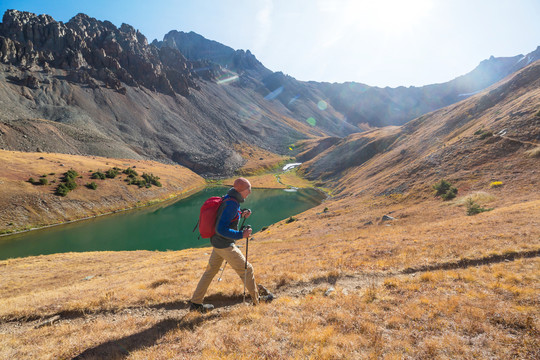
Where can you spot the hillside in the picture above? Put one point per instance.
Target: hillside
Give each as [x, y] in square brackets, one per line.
[427, 281]
[24, 205]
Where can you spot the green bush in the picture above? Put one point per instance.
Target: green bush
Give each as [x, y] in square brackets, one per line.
[474, 208]
[111, 173]
[92, 185]
[290, 220]
[130, 172]
[31, 180]
[70, 175]
[43, 181]
[62, 190]
[98, 175]
[450, 194]
[445, 190]
[71, 184]
[151, 179]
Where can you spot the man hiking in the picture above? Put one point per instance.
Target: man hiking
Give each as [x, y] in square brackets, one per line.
[224, 247]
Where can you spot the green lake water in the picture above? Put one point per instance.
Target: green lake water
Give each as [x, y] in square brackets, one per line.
[160, 227]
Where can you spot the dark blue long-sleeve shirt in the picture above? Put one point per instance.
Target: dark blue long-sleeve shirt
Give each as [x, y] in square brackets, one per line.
[227, 221]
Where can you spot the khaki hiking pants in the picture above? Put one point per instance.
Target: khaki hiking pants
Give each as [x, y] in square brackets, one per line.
[236, 259]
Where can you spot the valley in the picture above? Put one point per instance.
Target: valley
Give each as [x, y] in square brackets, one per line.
[383, 268]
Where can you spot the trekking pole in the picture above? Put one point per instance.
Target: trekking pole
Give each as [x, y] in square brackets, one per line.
[245, 269]
[222, 270]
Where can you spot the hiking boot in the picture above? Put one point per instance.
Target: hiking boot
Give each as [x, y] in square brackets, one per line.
[267, 298]
[202, 308]
[265, 295]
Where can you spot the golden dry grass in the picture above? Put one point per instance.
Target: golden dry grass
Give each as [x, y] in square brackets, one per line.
[376, 311]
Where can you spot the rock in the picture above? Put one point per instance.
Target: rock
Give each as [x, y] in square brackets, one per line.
[387, 218]
[368, 223]
[330, 291]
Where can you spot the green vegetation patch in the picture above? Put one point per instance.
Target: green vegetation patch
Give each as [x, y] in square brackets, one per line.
[474, 208]
[68, 183]
[445, 190]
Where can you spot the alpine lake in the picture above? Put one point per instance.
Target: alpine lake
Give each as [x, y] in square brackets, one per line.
[158, 227]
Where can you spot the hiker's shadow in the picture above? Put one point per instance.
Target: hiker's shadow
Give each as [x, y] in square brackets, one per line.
[219, 300]
[121, 348]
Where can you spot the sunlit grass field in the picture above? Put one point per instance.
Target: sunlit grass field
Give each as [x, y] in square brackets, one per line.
[407, 288]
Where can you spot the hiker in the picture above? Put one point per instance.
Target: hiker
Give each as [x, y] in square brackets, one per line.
[224, 247]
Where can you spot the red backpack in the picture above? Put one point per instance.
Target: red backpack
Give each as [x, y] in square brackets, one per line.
[208, 215]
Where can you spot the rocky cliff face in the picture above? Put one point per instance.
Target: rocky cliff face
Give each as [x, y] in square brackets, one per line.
[91, 49]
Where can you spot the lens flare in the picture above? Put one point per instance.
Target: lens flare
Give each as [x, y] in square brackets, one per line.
[322, 105]
[311, 121]
[274, 94]
[293, 99]
[227, 79]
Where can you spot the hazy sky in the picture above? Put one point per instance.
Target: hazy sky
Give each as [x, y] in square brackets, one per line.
[376, 42]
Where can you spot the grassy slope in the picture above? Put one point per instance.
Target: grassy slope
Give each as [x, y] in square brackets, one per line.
[24, 205]
[434, 283]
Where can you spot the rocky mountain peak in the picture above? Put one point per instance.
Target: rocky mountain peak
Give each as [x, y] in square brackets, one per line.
[93, 51]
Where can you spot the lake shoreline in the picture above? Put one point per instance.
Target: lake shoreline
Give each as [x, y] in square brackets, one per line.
[149, 203]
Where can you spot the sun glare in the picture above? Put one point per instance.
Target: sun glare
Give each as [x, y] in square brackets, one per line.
[387, 16]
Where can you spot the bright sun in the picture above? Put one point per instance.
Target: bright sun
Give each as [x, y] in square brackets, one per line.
[389, 16]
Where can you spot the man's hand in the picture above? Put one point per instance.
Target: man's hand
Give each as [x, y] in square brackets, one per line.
[246, 213]
[247, 232]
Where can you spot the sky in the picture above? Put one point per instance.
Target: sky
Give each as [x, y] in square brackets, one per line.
[375, 42]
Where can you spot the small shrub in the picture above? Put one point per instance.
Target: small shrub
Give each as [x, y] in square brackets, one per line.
[290, 220]
[445, 190]
[495, 184]
[92, 185]
[62, 190]
[98, 175]
[111, 173]
[71, 184]
[52, 173]
[44, 175]
[31, 180]
[474, 208]
[130, 172]
[70, 175]
[43, 181]
[325, 210]
[450, 194]
[264, 228]
[152, 179]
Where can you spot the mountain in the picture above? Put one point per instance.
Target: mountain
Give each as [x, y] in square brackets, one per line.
[493, 135]
[362, 105]
[88, 87]
[395, 106]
